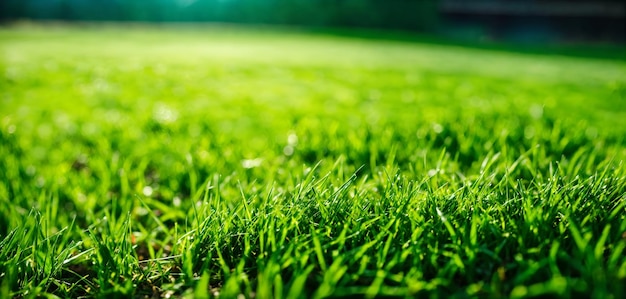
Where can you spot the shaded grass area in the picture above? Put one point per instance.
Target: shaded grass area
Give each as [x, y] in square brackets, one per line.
[609, 51]
[164, 162]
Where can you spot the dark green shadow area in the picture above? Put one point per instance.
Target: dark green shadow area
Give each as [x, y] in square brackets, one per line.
[605, 51]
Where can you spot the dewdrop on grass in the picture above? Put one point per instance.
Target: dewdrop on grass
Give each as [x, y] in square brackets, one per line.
[147, 191]
[251, 163]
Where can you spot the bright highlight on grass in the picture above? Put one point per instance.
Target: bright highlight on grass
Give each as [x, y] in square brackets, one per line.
[227, 162]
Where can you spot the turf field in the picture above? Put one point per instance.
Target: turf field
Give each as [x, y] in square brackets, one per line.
[153, 162]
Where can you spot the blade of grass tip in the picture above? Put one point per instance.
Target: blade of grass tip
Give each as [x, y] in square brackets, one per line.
[391, 236]
[81, 278]
[617, 257]
[473, 237]
[35, 234]
[202, 287]
[619, 209]
[601, 177]
[374, 289]
[193, 176]
[53, 248]
[45, 246]
[447, 224]
[364, 248]
[202, 192]
[391, 155]
[488, 162]
[154, 216]
[225, 268]
[442, 158]
[126, 232]
[298, 285]
[320, 182]
[553, 258]
[244, 200]
[215, 202]
[373, 153]
[309, 177]
[317, 247]
[7, 242]
[388, 176]
[335, 272]
[599, 249]
[339, 164]
[356, 172]
[523, 156]
[278, 287]
[77, 256]
[341, 239]
[205, 200]
[580, 241]
[187, 261]
[345, 185]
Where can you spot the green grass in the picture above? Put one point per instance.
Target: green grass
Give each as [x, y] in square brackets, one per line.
[178, 162]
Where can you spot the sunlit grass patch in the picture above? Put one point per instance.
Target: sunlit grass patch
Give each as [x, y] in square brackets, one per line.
[230, 162]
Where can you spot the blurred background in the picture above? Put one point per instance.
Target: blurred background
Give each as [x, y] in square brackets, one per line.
[518, 21]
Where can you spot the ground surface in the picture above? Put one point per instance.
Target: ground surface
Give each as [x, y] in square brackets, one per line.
[159, 162]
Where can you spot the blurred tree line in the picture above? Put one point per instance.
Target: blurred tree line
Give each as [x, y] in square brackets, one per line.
[419, 15]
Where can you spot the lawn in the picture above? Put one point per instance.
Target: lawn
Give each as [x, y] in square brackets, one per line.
[152, 161]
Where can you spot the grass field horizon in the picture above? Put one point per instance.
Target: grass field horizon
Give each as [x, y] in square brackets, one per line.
[231, 161]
